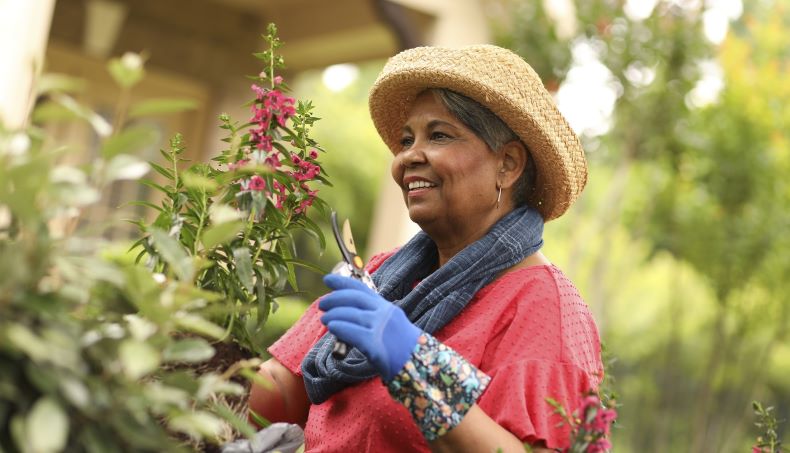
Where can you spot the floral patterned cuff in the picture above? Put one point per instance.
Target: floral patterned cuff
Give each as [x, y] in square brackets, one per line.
[437, 386]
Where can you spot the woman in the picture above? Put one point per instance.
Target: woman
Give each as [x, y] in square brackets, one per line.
[483, 329]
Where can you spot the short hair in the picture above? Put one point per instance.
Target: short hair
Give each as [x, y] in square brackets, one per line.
[492, 130]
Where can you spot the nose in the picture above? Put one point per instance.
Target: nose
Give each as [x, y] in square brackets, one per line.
[412, 156]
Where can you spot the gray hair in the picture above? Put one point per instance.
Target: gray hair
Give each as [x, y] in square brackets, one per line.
[492, 130]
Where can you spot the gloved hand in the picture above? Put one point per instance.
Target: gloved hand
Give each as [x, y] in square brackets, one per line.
[360, 317]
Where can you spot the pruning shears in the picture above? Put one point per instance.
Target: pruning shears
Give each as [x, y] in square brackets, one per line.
[351, 266]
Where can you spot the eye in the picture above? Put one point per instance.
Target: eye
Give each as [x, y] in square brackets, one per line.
[436, 135]
[405, 142]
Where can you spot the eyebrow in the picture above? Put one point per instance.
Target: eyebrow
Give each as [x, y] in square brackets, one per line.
[431, 124]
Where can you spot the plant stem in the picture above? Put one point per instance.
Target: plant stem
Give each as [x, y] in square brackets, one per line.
[174, 157]
[120, 110]
[271, 61]
[201, 221]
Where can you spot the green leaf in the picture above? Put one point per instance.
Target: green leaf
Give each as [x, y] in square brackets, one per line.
[125, 167]
[75, 391]
[286, 252]
[53, 111]
[220, 234]
[166, 172]
[259, 419]
[130, 140]
[307, 265]
[221, 213]
[198, 324]
[244, 267]
[158, 106]
[190, 350]
[59, 83]
[239, 423]
[140, 328]
[25, 340]
[316, 231]
[46, 427]
[173, 254]
[200, 182]
[153, 185]
[147, 204]
[138, 358]
[212, 384]
[165, 395]
[18, 432]
[197, 424]
[64, 107]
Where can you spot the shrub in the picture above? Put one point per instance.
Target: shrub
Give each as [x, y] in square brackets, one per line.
[97, 351]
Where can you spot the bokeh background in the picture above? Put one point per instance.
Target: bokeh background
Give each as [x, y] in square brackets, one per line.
[681, 241]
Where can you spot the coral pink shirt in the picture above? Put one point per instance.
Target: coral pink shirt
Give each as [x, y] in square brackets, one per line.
[529, 330]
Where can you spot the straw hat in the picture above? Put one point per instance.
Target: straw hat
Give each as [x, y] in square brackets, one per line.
[503, 82]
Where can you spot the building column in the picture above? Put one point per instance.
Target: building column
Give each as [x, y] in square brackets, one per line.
[24, 29]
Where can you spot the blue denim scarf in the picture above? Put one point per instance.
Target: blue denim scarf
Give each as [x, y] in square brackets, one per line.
[436, 300]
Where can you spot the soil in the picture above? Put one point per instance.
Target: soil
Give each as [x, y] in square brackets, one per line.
[227, 354]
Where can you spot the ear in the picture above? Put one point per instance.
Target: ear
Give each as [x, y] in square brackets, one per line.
[513, 163]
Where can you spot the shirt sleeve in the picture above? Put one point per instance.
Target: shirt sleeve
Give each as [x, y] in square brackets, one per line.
[291, 348]
[517, 396]
[549, 348]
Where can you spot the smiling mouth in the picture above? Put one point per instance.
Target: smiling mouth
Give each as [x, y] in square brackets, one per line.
[418, 185]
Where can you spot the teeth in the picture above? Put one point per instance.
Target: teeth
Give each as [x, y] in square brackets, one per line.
[420, 184]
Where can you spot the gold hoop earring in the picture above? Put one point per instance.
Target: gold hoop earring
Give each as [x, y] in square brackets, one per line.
[499, 196]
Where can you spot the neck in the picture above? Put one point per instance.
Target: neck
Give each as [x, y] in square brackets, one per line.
[450, 241]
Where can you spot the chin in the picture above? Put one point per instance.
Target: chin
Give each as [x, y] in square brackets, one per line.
[420, 216]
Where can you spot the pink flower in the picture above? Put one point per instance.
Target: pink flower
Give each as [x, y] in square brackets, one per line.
[603, 420]
[280, 199]
[303, 205]
[259, 92]
[599, 446]
[273, 160]
[257, 183]
[313, 154]
[295, 159]
[590, 401]
[264, 142]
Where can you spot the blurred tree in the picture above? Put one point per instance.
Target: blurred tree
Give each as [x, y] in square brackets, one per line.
[700, 180]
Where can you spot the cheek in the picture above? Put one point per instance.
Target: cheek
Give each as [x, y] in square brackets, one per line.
[396, 170]
[471, 174]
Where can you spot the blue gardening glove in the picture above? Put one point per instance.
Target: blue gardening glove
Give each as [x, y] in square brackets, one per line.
[360, 317]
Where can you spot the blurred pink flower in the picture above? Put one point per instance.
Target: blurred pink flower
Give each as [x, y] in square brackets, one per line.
[257, 183]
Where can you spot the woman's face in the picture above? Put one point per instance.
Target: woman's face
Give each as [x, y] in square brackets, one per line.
[446, 172]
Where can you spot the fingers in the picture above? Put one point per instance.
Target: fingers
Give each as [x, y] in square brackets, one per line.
[348, 298]
[347, 314]
[350, 333]
[334, 281]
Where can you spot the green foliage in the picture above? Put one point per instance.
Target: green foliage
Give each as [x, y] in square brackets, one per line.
[217, 229]
[358, 169]
[679, 243]
[768, 441]
[86, 341]
[99, 351]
